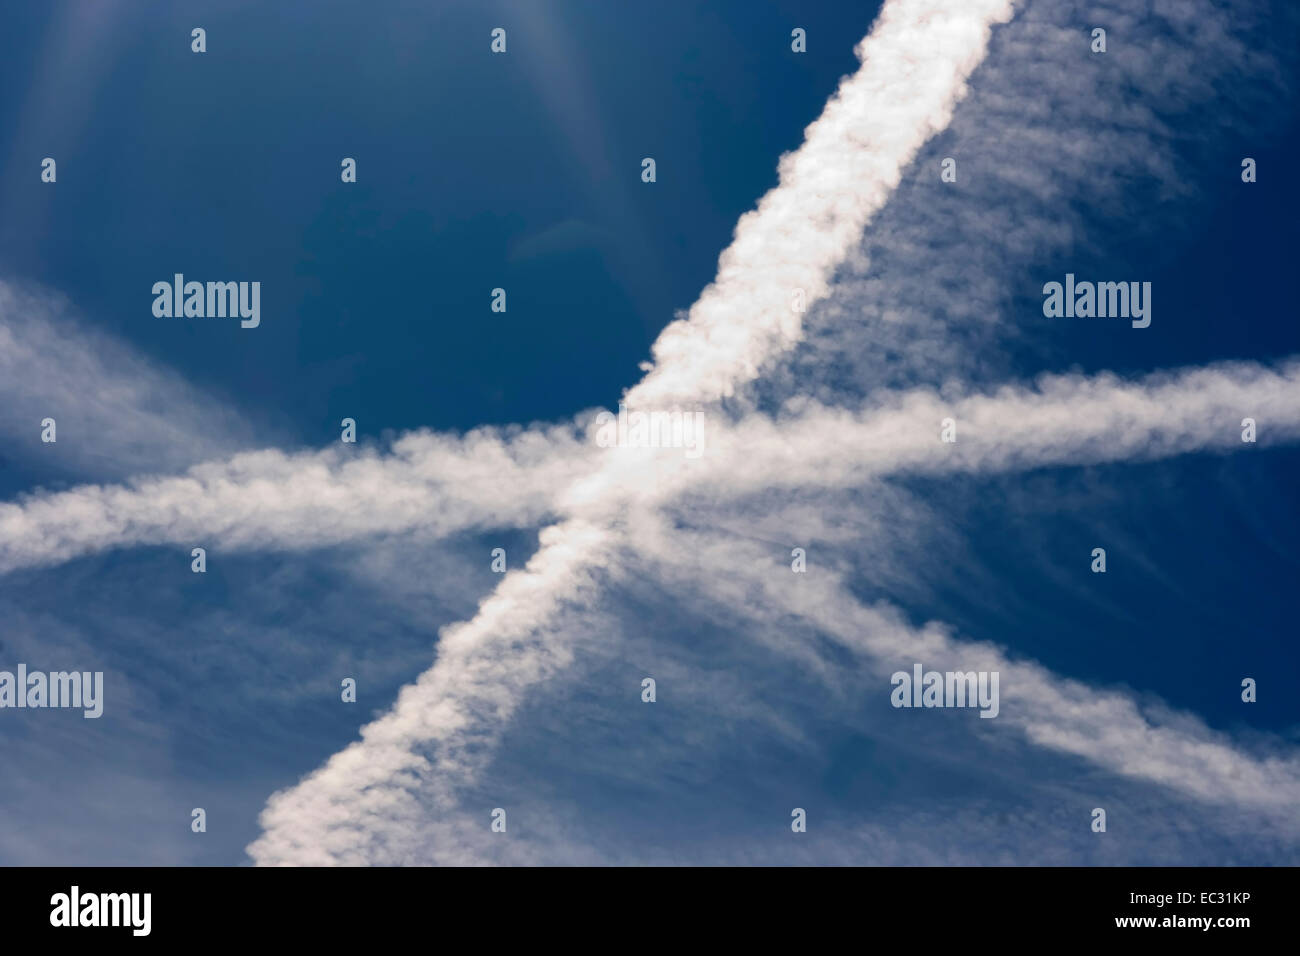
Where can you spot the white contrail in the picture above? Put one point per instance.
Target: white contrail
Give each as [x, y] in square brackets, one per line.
[434, 483]
[1061, 420]
[915, 64]
[369, 801]
[440, 485]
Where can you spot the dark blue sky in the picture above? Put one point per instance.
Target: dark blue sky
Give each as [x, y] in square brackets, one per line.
[475, 172]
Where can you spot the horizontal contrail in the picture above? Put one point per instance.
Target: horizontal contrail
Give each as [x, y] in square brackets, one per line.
[1060, 420]
[440, 485]
[437, 484]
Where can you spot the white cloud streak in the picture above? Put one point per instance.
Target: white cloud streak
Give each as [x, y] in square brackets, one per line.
[440, 485]
[915, 63]
[435, 484]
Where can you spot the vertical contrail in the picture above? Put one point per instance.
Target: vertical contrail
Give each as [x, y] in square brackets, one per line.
[368, 803]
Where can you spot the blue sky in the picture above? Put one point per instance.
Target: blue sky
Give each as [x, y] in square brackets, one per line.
[522, 170]
[229, 164]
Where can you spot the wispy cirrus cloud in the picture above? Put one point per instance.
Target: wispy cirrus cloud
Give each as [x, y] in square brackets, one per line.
[116, 412]
[1063, 158]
